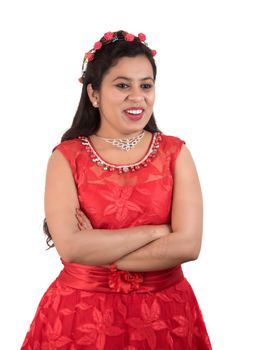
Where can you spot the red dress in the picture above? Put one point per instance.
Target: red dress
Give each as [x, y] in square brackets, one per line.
[94, 307]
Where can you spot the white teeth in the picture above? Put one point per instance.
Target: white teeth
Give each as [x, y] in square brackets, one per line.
[135, 111]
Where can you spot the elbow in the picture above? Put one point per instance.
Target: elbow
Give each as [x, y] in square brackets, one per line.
[65, 251]
[190, 250]
[66, 255]
[67, 258]
[186, 245]
[69, 254]
[194, 255]
[194, 250]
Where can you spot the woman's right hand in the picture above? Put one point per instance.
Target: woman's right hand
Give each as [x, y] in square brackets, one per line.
[83, 221]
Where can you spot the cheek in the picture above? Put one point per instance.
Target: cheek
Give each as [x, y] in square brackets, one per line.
[106, 104]
[112, 99]
[151, 99]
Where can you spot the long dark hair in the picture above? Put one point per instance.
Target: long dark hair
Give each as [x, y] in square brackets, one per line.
[87, 119]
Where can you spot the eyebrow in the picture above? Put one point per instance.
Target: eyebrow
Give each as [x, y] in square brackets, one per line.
[129, 79]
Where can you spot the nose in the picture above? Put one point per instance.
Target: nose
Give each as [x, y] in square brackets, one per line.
[135, 95]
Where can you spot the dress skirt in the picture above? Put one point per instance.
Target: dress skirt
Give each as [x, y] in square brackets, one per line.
[93, 307]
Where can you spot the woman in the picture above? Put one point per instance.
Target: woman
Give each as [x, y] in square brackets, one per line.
[123, 206]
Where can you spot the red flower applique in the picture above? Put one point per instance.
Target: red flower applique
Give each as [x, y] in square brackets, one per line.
[129, 37]
[154, 52]
[124, 281]
[144, 328]
[187, 327]
[108, 35]
[55, 295]
[121, 203]
[54, 337]
[96, 332]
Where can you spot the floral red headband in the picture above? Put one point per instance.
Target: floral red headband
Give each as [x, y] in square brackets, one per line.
[110, 37]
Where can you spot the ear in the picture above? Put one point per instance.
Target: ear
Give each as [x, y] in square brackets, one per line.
[93, 95]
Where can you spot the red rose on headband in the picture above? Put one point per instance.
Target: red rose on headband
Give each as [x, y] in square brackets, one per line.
[108, 36]
[112, 37]
[98, 45]
[89, 56]
[129, 37]
[141, 36]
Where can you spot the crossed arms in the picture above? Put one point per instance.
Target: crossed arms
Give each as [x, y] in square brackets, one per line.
[140, 248]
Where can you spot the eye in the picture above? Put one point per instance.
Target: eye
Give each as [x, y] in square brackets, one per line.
[147, 86]
[122, 85]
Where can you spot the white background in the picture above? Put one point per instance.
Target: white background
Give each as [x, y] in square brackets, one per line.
[214, 90]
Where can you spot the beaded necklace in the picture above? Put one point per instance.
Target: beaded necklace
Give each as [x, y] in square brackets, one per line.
[122, 168]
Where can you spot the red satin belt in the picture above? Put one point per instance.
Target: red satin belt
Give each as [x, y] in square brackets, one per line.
[102, 279]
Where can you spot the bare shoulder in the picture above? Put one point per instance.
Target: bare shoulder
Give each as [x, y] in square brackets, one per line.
[60, 185]
[57, 161]
[185, 165]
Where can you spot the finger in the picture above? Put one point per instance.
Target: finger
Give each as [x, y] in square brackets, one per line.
[82, 227]
[79, 219]
[88, 226]
[78, 215]
[82, 214]
[84, 219]
[83, 224]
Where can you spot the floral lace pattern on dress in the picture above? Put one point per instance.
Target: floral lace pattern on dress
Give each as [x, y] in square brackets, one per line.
[128, 312]
[79, 320]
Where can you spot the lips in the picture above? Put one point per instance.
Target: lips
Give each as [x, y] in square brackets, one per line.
[134, 113]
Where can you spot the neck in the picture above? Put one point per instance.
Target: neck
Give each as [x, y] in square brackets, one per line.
[119, 136]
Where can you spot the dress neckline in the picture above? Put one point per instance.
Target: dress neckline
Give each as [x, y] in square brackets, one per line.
[122, 165]
[123, 168]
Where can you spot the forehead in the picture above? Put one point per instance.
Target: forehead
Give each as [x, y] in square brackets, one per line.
[132, 67]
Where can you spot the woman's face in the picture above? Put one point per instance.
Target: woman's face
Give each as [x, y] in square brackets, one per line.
[126, 97]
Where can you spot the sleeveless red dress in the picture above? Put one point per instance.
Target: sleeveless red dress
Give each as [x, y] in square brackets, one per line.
[94, 307]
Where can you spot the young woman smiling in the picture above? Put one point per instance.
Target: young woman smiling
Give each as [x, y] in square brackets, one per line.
[123, 208]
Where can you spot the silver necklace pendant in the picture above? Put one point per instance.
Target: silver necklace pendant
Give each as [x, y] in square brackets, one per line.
[124, 144]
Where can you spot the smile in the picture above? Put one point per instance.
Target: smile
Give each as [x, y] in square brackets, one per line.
[134, 111]
[134, 114]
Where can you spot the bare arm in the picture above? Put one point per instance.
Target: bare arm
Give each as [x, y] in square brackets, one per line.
[90, 247]
[184, 243]
[99, 247]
